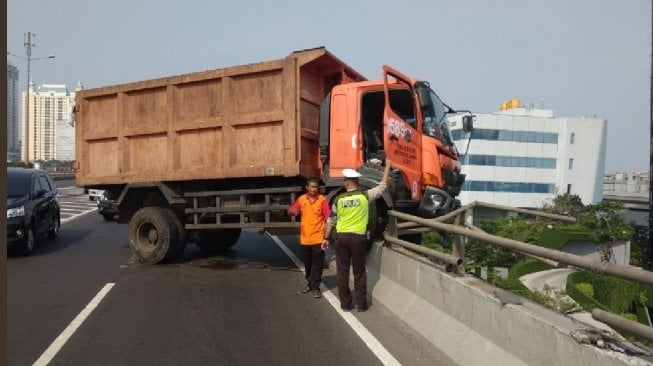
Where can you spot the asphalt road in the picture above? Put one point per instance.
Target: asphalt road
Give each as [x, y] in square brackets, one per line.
[238, 308]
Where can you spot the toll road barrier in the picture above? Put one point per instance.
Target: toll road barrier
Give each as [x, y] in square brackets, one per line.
[467, 324]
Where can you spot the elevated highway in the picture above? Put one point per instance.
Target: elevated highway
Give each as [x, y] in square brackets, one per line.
[475, 323]
[636, 208]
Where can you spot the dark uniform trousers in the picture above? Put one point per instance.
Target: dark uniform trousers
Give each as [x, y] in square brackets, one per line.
[351, 248]
[313, 265]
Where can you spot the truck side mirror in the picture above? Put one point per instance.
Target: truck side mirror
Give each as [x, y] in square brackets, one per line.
[424, 98]
[468, 123]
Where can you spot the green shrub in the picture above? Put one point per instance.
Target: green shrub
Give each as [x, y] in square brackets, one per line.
[486, 255]
[526, 267]
[586, 288]
[614, 294]
[629, 316]
[548, 297]
[587, 302]
[556, 300]
[437, 241]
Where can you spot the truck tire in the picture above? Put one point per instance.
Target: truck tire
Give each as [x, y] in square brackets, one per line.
[217, 240]
[153, 235]
[377, 221]
[180, 245]
[378, 217]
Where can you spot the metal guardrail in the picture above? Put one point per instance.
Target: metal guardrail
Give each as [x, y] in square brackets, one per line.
[62, 175]
[616, 321]
[461, 229]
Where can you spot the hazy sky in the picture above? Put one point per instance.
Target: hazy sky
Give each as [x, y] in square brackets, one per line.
[586, 58]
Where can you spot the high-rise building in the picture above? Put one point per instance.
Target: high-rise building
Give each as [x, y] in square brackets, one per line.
[525, 157]
[49, 104]
[65, 135]
[13, 127]
[65, 141]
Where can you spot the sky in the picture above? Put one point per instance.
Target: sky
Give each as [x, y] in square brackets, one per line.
[579, 58]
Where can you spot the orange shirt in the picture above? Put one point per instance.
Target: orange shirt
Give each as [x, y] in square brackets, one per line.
[314, 215]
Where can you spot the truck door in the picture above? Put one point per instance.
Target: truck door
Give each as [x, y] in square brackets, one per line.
[402, 139]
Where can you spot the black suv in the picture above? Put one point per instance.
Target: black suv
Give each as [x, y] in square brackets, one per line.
[32, 208]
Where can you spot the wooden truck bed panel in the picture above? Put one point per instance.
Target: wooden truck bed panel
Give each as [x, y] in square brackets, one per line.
[244, 121]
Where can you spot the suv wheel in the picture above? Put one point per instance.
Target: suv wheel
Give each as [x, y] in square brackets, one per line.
[54, 230]
[28, 246]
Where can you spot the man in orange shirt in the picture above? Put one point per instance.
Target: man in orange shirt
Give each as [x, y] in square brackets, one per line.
[314, 210]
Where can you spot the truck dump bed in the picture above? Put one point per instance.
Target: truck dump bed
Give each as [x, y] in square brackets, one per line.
[253, 120]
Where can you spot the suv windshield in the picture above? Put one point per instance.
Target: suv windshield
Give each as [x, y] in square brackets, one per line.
[17, 184]
[435, 115]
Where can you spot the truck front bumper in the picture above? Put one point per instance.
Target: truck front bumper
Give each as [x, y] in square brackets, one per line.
[435, 202]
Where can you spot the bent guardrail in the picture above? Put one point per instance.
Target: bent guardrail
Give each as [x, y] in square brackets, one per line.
[461, 230]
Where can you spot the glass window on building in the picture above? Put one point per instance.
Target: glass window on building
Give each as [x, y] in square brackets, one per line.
[572, 138]
[571, 164]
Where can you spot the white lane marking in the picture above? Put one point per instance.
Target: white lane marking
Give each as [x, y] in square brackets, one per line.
[73, 217]
[372, 343]
[74, 209]
[49, 353]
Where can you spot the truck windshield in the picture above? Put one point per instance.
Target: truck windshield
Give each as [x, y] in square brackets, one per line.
[435, 115]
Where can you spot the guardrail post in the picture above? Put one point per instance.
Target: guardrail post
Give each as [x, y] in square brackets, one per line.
[392, 226]
[459, 246]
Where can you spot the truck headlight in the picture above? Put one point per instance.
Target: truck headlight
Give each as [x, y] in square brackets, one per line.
[435, 202]
[16, 212]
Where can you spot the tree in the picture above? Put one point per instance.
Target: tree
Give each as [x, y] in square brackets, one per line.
[566, 204]
[601, 220]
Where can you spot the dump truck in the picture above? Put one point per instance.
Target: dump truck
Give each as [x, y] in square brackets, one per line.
[198, 157]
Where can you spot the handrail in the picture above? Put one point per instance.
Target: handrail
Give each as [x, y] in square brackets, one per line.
[447, 258]
[463, 229]
[628, 325]
[630, 273]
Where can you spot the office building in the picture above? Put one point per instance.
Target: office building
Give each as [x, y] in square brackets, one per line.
[65, 141]
[13, 127]
[49, 104]
[525, 157]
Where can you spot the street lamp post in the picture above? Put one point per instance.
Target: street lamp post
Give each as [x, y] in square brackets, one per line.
[29, 41]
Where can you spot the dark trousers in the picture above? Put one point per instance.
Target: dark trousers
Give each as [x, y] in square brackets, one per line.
[351, 248]
[313, 263]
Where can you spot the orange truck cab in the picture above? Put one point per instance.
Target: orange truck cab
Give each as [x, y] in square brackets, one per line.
[401, 118]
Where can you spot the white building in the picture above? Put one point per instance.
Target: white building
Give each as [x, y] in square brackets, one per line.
[635, 184]
[49, 104]
[13, 127]
[523, 157]
[65, 143]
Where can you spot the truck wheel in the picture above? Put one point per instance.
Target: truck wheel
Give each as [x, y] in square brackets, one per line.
[377, 222]
[378, 215]
[152, 235]
[180, 244]
[217, 240]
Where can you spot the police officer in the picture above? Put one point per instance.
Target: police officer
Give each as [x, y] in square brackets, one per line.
[350, 215]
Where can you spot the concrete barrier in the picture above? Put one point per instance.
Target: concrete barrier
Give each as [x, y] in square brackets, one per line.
[465, 320]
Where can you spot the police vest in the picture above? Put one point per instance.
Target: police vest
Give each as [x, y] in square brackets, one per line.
[352, 212]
